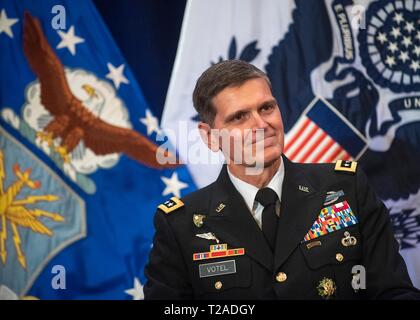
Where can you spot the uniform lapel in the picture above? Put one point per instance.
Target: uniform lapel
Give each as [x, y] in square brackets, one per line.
[234, 223]
[299, 209]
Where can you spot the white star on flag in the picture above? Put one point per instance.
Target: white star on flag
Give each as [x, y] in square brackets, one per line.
[69, 40]
[404, 56]
[407, 41]
[116, 75]
[151, 123]
[417, 50]
[382, 37]
[398, 18]
[392, 47]
[390, 60]
[409, 26]
[415, 65]
[137, 291]
[396, 32]
[173, 185]
[6, 24]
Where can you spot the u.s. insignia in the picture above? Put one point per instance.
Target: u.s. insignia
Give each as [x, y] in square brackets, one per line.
[220, 207]
[303, 188]
[326, 288]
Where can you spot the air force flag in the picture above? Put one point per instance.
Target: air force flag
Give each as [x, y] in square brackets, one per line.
[79, 178]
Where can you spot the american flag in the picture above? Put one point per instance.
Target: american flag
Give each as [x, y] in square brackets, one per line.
[322, 134]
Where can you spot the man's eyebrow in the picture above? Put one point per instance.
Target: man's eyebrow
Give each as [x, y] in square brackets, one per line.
[268, 102]
[231, 116]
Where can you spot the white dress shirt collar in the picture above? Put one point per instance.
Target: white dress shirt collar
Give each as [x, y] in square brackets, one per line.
[248, 191]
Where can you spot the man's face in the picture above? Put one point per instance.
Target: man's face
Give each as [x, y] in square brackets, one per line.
[249, 113]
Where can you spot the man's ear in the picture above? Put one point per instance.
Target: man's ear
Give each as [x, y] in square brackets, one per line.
[209, 136]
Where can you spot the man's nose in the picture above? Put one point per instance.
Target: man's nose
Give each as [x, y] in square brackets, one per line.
[258, 121]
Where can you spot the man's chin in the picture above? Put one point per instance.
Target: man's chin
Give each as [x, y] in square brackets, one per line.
[269, 163]
[266, 162]
[271, 155]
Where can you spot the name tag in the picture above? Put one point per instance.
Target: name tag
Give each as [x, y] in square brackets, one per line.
[217, 268]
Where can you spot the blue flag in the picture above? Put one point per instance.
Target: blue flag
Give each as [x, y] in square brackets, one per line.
[79, 180]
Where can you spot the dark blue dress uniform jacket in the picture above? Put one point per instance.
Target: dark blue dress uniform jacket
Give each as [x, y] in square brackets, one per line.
[173, 274]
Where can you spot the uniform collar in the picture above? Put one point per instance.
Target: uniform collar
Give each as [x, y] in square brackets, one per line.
[249, 191]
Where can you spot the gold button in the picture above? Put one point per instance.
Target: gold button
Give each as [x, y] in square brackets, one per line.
[281, 277]
[339, 257]
[218, 285]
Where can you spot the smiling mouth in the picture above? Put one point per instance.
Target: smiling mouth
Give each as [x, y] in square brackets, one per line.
[265, 137]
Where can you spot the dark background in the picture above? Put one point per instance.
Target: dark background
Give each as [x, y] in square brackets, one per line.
[147, 33]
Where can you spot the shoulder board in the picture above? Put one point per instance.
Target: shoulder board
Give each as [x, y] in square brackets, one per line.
[171, 205]
[346, 166]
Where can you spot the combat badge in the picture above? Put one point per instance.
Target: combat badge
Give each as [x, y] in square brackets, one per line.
[333, 196]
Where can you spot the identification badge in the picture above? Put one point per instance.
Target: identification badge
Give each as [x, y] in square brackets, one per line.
[217, 268]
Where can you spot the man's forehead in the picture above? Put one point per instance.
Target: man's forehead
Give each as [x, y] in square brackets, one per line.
[254, 91]
[256, 83]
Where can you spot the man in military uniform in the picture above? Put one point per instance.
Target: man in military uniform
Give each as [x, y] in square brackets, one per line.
[283, 231]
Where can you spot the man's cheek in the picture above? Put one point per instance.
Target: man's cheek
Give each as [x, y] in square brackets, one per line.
[232, 146]
[254, 153]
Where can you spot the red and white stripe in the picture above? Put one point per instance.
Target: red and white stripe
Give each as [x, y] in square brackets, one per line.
[308, 143]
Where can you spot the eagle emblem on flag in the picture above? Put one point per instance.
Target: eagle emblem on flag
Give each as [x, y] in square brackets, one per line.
[72, 131]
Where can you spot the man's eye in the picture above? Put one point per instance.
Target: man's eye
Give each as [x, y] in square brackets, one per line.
[267, 107]
[239, 117]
